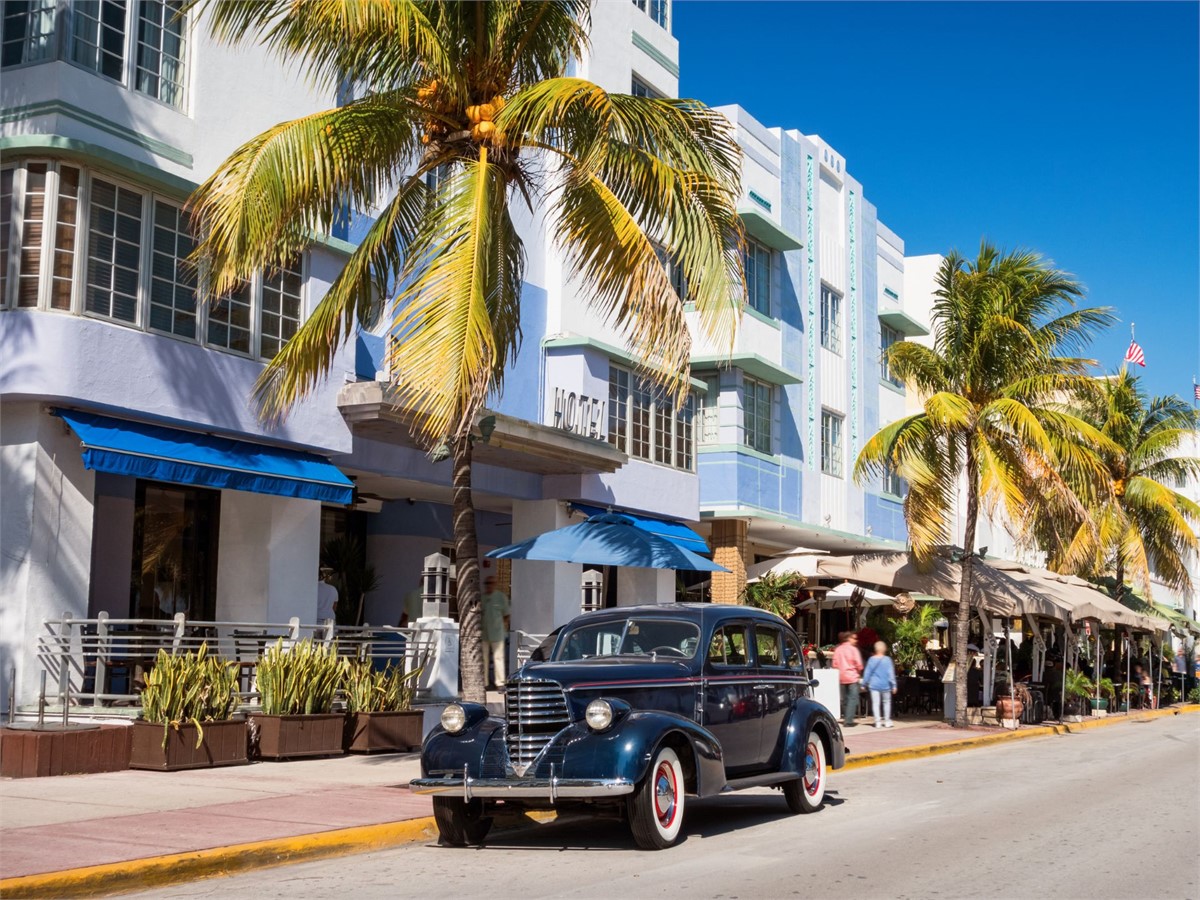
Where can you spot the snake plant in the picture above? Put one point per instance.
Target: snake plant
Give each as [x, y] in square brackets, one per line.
[192, 687]
[370, 690]
[302, 678]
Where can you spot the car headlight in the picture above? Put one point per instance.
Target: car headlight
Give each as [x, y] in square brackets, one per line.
[599, 715]
[454, 718]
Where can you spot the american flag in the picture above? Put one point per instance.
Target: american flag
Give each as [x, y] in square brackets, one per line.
[1135, 355]
[1196, 390]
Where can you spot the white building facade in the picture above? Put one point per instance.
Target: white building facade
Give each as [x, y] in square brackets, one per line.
[115, 110]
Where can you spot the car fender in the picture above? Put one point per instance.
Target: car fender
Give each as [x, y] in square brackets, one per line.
[625, 750]
[443, 753]
[809, 715]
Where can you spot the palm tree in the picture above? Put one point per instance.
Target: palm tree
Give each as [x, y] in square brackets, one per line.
[475, 96]
[1142, 524]
[993, 381]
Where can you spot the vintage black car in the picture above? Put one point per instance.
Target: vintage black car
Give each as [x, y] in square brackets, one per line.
[631, 710]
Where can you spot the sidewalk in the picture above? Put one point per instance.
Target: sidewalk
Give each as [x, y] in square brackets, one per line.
[80, 834]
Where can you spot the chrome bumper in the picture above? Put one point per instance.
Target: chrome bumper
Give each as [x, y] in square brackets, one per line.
[551, 789]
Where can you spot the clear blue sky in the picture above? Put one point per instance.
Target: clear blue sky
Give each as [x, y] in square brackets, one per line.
[1067, 128]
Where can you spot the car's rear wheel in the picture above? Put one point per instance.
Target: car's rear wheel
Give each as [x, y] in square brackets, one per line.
[460, 822]
[656, 807]
[807, 793]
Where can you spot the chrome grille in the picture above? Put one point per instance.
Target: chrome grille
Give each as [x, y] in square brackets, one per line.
[536, 711]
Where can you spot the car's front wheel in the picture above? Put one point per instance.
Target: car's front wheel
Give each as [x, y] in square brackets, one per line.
[460, 822]
[656, 807]
[807, 793]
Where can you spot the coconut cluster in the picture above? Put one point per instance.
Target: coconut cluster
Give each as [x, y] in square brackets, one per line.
[480, 117]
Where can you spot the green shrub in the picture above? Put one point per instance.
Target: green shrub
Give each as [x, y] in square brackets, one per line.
[369, 690]
[1194, 695]
[193, 687]
[300, 679]
[774, 593]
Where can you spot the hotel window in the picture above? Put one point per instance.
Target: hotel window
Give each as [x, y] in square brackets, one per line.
[831, 319]
[674, 273]
[98, 36]
[887, 337]
[640, 88]
[28, 31]
[756, 414]
[147, 53]
[160, 50]
[618, 407]
[658, 10]
[114, 251]
[280, 308]
[172, 281]
[891, 483]
[710, 411]
[123, 256]
[831, 444]
[646, 424]
[756, 259]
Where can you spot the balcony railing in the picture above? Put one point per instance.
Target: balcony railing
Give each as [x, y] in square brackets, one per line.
[101, 661]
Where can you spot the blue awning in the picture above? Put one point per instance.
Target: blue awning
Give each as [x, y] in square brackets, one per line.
[675, 532]
[186, 457]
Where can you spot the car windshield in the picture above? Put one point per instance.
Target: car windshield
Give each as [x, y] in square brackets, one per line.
[665, 638]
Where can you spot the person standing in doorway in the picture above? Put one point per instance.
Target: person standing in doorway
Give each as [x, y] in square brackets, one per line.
[880, 678]
[848, 661]
[327, 596]
[496, 611]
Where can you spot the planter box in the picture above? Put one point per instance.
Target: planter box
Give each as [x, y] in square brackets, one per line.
[1101, 704]
[32, 754]
[296, 737]
[376, 732]
[224, 744]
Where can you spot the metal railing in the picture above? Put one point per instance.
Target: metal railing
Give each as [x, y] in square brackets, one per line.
[101, 661]
[526, 644]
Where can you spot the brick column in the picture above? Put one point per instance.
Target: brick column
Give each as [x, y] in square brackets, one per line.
[728, 541]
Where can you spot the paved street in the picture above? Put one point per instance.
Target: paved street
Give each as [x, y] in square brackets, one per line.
[1109, 813]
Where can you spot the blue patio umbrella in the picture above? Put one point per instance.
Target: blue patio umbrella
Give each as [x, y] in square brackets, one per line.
[608, 539]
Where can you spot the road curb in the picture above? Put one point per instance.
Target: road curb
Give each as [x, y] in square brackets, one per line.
[863, 760]
[176, 868]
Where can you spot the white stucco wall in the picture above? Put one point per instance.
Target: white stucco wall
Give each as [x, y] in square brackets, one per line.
[45, 535]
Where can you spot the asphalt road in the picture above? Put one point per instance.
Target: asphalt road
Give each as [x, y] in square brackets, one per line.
[1109, 813]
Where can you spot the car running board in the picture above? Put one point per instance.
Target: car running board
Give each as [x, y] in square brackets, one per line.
[765, 780]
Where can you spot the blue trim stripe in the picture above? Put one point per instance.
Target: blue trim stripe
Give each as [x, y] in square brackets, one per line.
[160, 453]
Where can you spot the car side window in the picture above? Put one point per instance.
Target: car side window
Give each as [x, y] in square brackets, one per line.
[793, 656]
[769, 644]
[728, 646]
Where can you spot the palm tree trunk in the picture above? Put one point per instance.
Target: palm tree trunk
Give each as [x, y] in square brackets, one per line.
[1120, 574]
[962, 617]
[466, 557]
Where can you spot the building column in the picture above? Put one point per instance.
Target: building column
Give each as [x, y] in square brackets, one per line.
[728, 539]
[544, 594]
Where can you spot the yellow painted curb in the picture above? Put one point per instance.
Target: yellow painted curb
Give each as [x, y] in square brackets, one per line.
[159, 871]
[861, 761]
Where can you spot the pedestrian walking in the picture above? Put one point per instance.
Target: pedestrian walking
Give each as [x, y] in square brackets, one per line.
[880, 678]
[496, 611]
[848, 661]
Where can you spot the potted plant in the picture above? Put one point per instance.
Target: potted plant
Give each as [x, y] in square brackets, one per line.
[1107, 692]
[379, 713]
[297, 685]
[187, 715]
[1078, 687]
[1011, 702]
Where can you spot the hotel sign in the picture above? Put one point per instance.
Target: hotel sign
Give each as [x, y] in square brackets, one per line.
[579, 414]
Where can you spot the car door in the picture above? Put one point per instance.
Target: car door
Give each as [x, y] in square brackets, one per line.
[731, 707]
[776, 687]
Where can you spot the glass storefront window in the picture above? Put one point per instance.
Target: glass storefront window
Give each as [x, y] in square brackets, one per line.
[175, 537]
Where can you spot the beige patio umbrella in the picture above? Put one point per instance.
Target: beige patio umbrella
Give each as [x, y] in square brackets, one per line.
[995, 591]
[800, 561]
